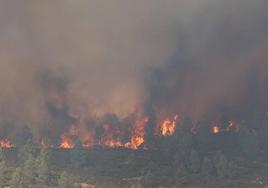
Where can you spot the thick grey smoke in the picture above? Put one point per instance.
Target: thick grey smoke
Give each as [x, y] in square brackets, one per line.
[93, 57]
[220, 65]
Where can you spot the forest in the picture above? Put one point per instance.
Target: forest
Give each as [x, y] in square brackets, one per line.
[233, 157]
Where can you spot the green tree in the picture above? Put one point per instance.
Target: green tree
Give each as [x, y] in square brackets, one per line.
[43, 171]
[17, 180]
[22, 137]
[179, 165]
[79, 155]
[29, 171]
[221, 164]
[2, 155]
[136, 185]
[195, 162]
[2, 173]
[26, 151]
[203, 134]
[148, 180]
[65, 181]
[249, 142]
[207, 168]
[180, 170]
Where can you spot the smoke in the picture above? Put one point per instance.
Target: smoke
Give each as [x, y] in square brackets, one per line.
[219, 65]
[63, 61]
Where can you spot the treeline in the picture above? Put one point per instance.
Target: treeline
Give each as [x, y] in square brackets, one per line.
[204, 154]
[167, 160]
[33, 169]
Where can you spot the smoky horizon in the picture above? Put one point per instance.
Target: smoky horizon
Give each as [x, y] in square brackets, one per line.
[82, 69]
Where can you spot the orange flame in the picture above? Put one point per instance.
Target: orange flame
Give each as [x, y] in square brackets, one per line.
[5, 143]
[168, 126]
[87, 145]
[66, 143]
[216, 129]
[138, 133]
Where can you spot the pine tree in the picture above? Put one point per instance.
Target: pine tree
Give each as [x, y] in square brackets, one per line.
[22, 137]
[203, 134]
[2, 155]
[26, 151]
[2, 168]
[207, 167]
[65, 181]
[43, 171]
[2, 173]
[148, 179]
[29, 171]
[221, 164]
[79, 155]
[17, 180]
[180, 170]
[194, 161]
[249, 142]
[136, 185]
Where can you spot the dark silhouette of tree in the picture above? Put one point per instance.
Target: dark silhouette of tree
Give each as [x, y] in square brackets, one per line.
[203, 134]
[22, 137]
[79, 155]
[249, 142]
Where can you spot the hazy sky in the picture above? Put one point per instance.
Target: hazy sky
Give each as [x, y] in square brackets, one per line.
[107, 49]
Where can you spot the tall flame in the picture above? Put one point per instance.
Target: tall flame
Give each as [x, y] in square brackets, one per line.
[67, 138]
[138, 133]
[168, 126]
[137, 137]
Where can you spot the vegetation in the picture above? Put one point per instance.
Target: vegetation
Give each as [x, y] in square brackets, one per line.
[230, 159]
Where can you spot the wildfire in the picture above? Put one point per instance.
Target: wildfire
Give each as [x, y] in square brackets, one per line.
[87, 144]
[137, 136]
[113, 143]
[66, 143]
[168, 126]
[113, 136]
[138, 133]
[216, 129]
[232, 127]
[5, 143]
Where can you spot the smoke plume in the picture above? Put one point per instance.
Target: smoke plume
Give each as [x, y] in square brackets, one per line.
[65, 61]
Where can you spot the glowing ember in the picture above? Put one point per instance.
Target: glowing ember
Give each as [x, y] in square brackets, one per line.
[168, 127]
[87, 144]
[232, 127]
[5, 143]
[113, 143]
[66, 143]
[216, 129]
